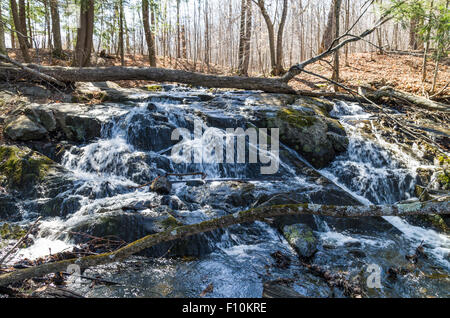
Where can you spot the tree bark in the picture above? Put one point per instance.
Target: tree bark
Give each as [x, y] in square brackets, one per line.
[2, 34]
[271, 32]
[23, 21]
[248, 37]
[437, 206]
[121, 39]
[148, 33]
[330, 30]
[85, 32]
[117, 73]
[337, 9]
[279, 67]
[21, 36]
[56, 28]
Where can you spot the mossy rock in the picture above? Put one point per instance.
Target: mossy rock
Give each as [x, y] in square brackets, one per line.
[302, 238]
[296, 118]
[11, 232]
[153, 88]
[21, 168]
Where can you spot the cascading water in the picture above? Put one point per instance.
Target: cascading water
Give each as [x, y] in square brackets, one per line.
[375, 175]
[135, 148]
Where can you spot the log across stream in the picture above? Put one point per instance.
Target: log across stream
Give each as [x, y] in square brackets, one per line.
[236, 260]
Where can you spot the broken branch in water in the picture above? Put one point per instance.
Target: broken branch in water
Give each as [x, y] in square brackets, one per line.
[436, 206]
[23, 238]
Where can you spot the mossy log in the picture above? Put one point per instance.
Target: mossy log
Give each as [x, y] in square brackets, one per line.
[436, 206]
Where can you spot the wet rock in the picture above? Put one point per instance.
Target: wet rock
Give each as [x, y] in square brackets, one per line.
[75, 122]
[280, 288]
[23, 128]
[22, 168]
[149, 134]
[308, 134]
[31, 174]
[130, 226]
[161, 185]
[340, 143]
[302, 239]
[8, 209]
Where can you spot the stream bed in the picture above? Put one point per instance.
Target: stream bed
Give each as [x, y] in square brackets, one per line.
[135, 147]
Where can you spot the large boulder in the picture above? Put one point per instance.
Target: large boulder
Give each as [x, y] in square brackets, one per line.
[22, 168]
[22, 128]
[306, 127]
[28, 174]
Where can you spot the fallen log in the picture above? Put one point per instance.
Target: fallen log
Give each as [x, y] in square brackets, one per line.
[419, 101]
[117, 73]
[33, 72]
[436, 206]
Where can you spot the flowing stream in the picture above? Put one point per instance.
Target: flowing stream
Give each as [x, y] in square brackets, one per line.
[135, 148]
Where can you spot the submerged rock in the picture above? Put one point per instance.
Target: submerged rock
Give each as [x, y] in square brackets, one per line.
[302, 238]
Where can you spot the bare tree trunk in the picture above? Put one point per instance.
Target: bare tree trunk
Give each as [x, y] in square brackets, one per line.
[413, 34]
[241, 37]
[271, 32]
[85, 32]
[427, 44]
[337, 8]
[148, 33]
[248, 36]
[121, 41]
[279, 67]
[183, 38]
[330, 30]
[23, 21]
[20, 35]
[30, 31]
[178, 31]
[2, 34]
[56, 28]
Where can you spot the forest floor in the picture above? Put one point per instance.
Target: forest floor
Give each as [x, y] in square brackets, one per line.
[403, 72]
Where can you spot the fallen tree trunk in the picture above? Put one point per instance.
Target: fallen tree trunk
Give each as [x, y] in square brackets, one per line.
[436, 206]
[118, 73]
[38, 74]
[419, 101]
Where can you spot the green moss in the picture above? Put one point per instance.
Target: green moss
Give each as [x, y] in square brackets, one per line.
[20, 167]
[444, 180]
[170, 223]
[295, 117]
[436, 221]
[11, 232]
[443, 160]
[154, 88]
[292, 234]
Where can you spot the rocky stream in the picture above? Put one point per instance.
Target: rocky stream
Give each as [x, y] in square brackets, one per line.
[77, 166]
